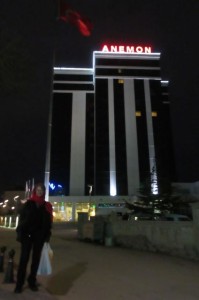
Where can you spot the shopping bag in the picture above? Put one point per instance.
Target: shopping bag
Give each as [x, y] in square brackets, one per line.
[45, 267]
[50, 251]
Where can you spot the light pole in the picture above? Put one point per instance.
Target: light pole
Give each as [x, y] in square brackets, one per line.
[90, 192]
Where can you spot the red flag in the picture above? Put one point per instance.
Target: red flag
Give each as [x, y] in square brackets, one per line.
[84, 26]
[69, 15]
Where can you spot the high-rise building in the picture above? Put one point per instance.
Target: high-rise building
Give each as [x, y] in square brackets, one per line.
[111, 124]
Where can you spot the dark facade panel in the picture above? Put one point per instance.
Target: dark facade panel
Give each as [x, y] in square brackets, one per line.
[127, 62]
[73, 77]
[89, 157]
[127, 72]
[162, 134]
[120, 139]
[102, 179]
[75, 87]
[142, 137]
[60, 140]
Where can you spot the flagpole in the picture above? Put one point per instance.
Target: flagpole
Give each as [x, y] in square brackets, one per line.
[49, 129]
[32, 184]
[26, 190]
[85, 28]
[49, 133]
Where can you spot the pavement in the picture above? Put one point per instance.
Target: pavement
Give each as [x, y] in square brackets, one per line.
[86, 270]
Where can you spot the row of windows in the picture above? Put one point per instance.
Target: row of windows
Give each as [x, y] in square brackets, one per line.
[139, 113]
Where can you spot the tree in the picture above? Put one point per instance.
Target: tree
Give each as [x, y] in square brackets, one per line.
[156, 196]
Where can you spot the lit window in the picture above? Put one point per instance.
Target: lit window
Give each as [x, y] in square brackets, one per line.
[120, 81]
[138, 113]
[154, 114]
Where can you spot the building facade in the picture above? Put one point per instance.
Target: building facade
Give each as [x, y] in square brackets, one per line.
[110, 125]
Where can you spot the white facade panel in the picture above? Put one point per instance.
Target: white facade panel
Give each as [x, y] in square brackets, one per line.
[78, 132]
[113, 189]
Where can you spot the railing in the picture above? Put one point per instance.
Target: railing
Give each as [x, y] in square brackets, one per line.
[9, 221]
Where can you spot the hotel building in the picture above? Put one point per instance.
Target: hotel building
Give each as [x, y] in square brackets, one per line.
[110, 129]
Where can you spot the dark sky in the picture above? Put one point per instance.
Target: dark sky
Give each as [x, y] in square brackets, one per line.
[30, 34]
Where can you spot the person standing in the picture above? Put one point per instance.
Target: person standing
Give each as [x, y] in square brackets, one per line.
[33, 230]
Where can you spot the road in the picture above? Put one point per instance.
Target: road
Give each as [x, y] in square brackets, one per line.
[87, 271]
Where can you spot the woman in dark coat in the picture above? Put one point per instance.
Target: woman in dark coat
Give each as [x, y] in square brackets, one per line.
[33, 230]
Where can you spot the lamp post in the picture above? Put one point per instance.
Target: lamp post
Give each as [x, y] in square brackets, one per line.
[90, 192]
[15, 198]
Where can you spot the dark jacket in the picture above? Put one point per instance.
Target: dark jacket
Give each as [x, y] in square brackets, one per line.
[34, 222]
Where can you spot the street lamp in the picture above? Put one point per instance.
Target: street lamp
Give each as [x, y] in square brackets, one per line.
[15, 198]
[90, 192]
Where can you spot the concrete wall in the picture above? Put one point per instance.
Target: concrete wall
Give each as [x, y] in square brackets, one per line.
[179, 238]
[174, 238]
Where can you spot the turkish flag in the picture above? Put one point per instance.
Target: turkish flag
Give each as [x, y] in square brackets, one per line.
[71, 16]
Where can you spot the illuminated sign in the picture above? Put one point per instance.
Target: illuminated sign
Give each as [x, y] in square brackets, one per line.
[126, 49]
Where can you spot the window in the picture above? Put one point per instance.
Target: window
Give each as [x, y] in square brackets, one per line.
[120, 81]
[138, 113]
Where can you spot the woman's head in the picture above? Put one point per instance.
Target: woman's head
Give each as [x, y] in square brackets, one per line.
[38, 193]
[40, 189]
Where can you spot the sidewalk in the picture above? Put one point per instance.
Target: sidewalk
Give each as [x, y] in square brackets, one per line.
[86, 271]
[8, 239]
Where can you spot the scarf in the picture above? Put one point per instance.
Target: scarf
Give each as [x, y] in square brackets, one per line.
[40, 200]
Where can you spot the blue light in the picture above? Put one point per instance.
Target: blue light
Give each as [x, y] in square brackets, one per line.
[56, 189]
[52, 186]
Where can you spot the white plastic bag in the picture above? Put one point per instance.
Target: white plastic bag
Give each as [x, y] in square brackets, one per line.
[45, 267]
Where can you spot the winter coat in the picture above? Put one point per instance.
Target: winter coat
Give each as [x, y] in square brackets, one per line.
[34, 222]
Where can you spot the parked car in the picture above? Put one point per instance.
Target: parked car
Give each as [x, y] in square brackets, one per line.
[175, 217]
[139, 217]
[167, 217]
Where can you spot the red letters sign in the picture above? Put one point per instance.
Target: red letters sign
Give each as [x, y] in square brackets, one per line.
[127, 49]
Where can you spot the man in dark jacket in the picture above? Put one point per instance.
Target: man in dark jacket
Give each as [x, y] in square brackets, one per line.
[33, 230]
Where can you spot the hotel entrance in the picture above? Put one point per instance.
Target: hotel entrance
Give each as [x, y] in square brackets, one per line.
[68, 211]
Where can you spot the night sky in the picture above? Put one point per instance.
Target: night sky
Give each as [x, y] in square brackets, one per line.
[32, 41]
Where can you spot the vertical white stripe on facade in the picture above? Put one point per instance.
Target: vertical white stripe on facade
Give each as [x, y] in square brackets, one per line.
[78, 137]
[131, 137]
[149, 124]
[113, 189]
